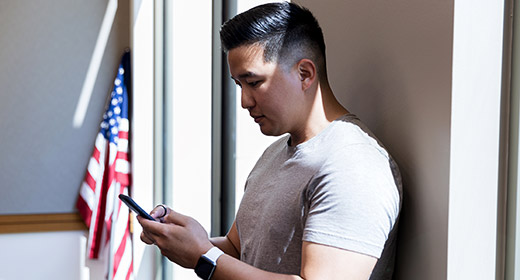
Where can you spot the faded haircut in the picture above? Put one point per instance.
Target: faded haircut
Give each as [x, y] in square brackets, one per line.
[288, 33]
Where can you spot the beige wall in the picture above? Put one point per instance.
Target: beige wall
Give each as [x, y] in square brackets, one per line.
[46, 49]
[390, 62]
[45, 54]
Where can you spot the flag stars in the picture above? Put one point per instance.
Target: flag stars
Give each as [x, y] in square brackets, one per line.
[113, 116]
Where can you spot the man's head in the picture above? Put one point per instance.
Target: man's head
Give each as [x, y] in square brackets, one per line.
[286, 31]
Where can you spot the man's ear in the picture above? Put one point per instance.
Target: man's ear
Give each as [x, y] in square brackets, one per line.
[307, 72]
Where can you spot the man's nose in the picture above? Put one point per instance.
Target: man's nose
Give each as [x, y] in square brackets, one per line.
[246, 99]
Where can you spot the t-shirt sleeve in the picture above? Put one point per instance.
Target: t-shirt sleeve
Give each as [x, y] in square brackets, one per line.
[353, 202]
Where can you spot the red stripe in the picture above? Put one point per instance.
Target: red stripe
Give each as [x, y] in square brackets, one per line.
[123, 134]
[96, 154]
[95, 243]
[120, 250]
[109, 222]
[110, 177]
[91, 182]
[122, 155]
[124, 190]
[116, 209]
[130, 270]
[123, 178]
[100, 215]
[123, 248]
[112, 170]
[108, 225]
[84, 210]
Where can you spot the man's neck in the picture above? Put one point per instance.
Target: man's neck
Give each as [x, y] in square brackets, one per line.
[324, 109]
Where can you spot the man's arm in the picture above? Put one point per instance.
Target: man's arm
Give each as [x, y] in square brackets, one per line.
[318, 262]
[325, 262]
[183, 241]
[230, 243]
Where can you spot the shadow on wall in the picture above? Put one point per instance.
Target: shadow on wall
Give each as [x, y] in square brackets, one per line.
[390, 64]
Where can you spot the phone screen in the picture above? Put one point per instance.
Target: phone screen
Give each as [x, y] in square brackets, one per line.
[135, 207]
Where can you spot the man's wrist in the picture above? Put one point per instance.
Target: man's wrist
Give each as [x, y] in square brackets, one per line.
[208, 263]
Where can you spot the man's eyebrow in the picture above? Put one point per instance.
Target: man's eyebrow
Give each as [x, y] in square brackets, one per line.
[245, 75]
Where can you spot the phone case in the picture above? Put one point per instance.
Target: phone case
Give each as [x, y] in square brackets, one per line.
[135, 207]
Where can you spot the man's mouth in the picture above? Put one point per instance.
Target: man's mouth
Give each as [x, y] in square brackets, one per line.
[257, 118]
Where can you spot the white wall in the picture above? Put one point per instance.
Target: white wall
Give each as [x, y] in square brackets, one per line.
[40, 256]
[142, 128]
[190, 78]
[475, 139]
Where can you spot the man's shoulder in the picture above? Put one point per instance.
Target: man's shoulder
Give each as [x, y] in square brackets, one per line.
[278, 145]
[346, 134]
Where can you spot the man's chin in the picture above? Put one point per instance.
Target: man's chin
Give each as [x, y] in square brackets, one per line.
[264, 130]
[268, 132]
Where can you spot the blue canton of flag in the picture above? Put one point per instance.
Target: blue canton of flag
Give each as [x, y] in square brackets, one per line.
[117, 109]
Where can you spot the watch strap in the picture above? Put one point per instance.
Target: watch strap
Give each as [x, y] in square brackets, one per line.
[208, 263]
[213, 254]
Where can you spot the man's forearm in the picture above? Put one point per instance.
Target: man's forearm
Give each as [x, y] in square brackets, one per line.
[229, 268]
[224, 244]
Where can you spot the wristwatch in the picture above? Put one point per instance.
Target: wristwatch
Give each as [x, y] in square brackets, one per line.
[207, 263]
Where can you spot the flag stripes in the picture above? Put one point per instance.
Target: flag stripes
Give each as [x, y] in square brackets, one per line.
[107, 176]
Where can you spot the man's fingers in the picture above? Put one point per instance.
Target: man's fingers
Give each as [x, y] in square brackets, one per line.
[160, 211]
[146, 239]
[167, 215]
[149, 226]
[146, 235]
[154, 230]
[176, 218]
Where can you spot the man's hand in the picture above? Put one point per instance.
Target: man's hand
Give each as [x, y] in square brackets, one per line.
[180, 238]
[183, 240]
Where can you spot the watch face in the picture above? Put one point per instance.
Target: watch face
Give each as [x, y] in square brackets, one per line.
[204, 268]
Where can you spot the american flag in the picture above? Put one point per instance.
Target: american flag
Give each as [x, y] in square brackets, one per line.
[107, 176]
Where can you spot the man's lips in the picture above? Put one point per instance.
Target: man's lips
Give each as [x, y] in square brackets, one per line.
[257, 118]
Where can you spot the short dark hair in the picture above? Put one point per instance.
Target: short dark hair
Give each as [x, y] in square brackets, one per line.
[288, 32]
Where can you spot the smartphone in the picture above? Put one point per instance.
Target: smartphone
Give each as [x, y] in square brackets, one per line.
[136, 208]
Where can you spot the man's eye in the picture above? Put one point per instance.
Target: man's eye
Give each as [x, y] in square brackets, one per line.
[254, 84]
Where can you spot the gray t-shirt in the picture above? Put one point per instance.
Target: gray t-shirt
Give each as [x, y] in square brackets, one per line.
[340, 188]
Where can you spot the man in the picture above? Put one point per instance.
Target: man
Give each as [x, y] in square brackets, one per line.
[323, 201]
